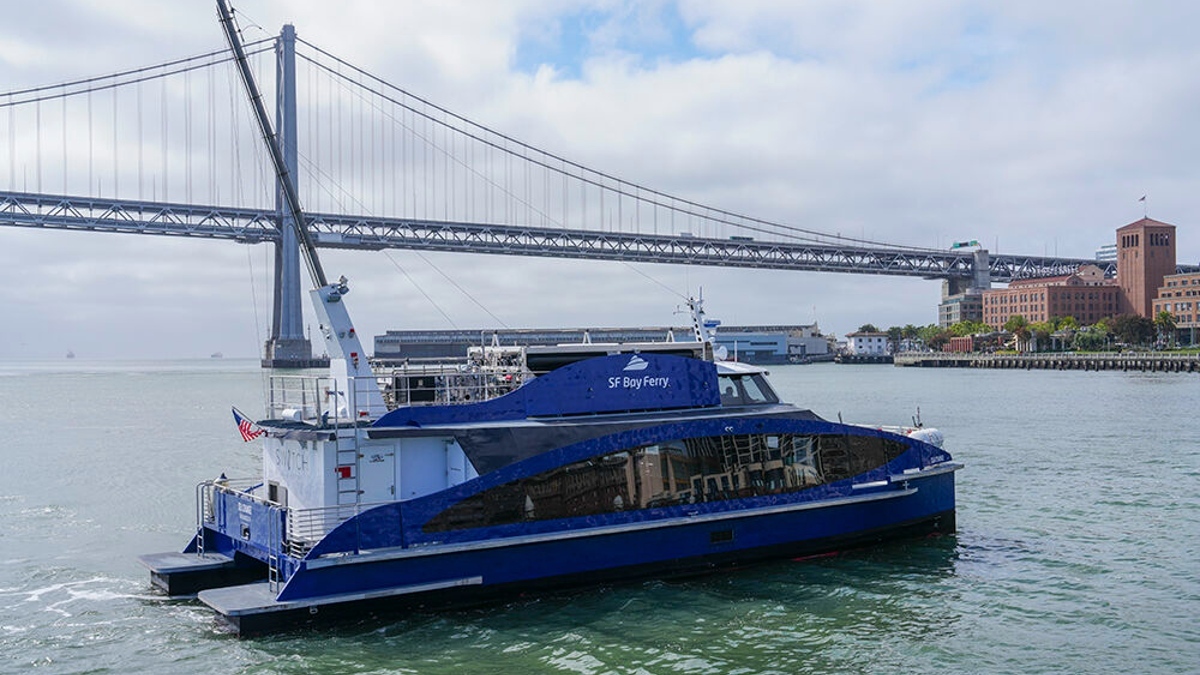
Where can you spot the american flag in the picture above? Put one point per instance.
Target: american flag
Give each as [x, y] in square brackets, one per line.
[246, 427]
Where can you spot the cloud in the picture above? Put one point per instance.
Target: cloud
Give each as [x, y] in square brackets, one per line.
[1031, 128]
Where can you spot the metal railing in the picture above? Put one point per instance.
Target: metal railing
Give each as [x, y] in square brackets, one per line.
[448, 384]
[306, 527]
[303, 398]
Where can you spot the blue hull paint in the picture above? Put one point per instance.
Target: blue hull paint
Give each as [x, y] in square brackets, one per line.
[507, 571]
[679, 547]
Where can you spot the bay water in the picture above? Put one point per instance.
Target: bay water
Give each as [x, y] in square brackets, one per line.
[1077, 551]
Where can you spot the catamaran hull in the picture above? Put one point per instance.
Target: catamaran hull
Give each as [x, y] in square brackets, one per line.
[388, 581]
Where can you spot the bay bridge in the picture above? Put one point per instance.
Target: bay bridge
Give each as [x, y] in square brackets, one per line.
[170, 149]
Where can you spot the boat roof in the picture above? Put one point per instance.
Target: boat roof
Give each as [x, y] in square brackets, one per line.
[738, 368]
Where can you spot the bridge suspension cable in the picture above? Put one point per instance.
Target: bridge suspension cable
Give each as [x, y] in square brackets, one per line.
[566, 168]
[126, 77]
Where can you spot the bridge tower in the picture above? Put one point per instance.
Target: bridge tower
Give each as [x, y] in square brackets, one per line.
[287, 346]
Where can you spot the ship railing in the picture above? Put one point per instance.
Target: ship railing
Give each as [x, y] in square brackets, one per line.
[304, 398]
[448, 384]
[206, 501]
[306, 527]
[206, 491]
[314, 398]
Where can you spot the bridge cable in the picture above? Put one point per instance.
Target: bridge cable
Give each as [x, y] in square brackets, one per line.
[281, 170]
[113, 78]
[693, 207]
[388, 255]
[462, 290]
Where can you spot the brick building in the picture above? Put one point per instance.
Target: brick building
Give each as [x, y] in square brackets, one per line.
[1180, 295]
[1145, 256]
[1085, 295]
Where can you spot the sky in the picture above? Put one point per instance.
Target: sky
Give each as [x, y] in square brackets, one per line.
[1031, 127]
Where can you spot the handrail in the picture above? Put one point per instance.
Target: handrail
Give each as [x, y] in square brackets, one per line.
[317, 400]
[306, 527]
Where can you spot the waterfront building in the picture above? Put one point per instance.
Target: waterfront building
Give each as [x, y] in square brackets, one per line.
[774, 344]
[1145, 256]
[1084, 294]
[964, 344]
[861, 343]
[967, 306]
[453, 344]
[1180, 295]
[752, 344]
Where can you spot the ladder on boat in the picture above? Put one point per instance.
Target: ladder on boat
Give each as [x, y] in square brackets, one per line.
[204, 508]
[275, 528]
[348, 456]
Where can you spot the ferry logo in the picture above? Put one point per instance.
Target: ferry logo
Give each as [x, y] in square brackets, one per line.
[636, 363]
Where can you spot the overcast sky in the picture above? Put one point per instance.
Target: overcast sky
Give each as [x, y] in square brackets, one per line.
[1032, 127]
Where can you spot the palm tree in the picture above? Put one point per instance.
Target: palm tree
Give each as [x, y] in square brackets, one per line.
[894, 334]
[1165, 322]
[1018, 326]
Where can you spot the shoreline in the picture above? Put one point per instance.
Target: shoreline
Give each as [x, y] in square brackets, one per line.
[1143, 361]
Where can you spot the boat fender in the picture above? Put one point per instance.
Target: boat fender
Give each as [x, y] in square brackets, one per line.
[291, 414]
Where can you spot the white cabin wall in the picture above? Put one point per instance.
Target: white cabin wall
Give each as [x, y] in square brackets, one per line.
[303, 468]
[387, 469]
[424, 466]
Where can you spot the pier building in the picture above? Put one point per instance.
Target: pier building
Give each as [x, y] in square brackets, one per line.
[768, 344]
[864, 343]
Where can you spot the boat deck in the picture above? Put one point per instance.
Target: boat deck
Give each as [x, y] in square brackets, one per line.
[186, 574]
[254, 608]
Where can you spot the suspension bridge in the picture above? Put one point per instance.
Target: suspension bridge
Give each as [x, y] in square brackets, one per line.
[170, 149]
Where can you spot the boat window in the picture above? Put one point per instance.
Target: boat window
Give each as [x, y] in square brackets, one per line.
[745, 390]
[730, 390]
[757, 390]
[673, 473]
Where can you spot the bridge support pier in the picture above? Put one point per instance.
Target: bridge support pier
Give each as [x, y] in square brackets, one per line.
[287, 347]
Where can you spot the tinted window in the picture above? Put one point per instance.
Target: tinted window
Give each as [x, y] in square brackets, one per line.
[688, 471]
[745, 390]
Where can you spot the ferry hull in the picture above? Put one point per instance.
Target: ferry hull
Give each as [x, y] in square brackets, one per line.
[387, 582]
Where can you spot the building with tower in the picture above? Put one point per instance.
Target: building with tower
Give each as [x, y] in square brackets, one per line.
[1145, 256]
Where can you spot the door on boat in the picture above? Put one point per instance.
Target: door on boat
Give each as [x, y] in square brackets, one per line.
[377, 477]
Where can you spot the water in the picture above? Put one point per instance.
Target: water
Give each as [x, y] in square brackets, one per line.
[1077, 550]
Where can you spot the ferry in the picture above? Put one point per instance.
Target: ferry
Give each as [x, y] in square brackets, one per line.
[386, 491]
[408, 489]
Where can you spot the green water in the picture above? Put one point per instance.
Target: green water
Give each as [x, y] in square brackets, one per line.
[1077, 550]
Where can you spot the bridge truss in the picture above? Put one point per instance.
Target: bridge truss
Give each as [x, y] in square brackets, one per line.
[252, 226]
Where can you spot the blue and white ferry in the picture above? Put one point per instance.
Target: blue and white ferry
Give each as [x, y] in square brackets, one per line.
[382, 491]
[493, 482]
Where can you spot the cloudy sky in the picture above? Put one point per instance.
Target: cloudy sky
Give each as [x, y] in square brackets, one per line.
[1032, 127]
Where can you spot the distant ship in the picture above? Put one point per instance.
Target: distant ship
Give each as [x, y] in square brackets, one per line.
[70, 354]
[217, 355]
